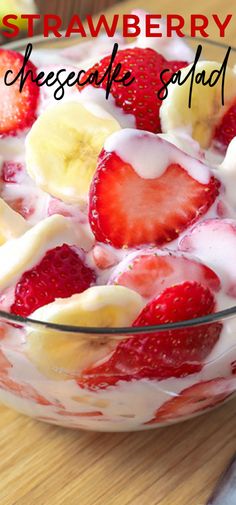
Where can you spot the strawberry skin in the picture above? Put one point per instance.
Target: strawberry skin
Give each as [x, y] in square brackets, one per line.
[60, 274]
[226, 129]
[140, 98]
[126, 210]
[161, 355]
[195, 399]
[17, 110]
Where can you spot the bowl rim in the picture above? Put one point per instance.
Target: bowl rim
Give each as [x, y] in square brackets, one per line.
[119, 332]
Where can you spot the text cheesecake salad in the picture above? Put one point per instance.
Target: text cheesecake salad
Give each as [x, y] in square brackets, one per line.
[117, 213]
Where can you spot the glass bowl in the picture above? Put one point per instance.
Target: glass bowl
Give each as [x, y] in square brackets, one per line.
[45, 388]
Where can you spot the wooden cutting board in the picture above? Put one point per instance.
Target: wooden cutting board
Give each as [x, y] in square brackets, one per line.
[179, 465]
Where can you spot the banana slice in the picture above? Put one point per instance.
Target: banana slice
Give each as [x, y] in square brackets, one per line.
[17, 7]
[20, 254]
[206, 107]
[64, 355]
[12, 224]
[62, 148]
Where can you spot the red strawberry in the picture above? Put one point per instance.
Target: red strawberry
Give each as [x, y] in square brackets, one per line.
[139, 98]
[66, 413]
[151, 271]
[24, 206]
[195, 399]
[233, 367]
[102, 257]
[23, 391]
[5, 365]
[226, 129]
[60, 274]
[160, 355]
[128, 210]
[11, 171]
[209, 236]
[56, 206]
[17, 110]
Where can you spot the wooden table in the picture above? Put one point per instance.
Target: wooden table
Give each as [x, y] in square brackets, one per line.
[46, 465]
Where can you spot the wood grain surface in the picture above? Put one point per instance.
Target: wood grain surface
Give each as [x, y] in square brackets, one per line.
[179, 465]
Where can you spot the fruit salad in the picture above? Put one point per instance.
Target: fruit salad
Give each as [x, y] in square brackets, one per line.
[117, 216]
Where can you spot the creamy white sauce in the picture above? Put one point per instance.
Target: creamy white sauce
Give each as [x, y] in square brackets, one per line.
[227, 173]
[150, 155]
[213, 241]
[94, 97]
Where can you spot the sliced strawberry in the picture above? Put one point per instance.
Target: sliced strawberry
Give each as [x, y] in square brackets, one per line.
[139, 98]
[213, 241]
[128, 210]
[60, 274]
[226, 129]
[23, 391]
[11, 171]
[58, 207]
[195, 399]
[24, 206]
[65, 413]
[151, 271]
[5, 365]
[17, 109]
[103, 257]
[233, 367]
[160, 355]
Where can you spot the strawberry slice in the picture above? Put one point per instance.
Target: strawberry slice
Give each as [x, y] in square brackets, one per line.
[160, 355]
[195, 399]
[17, 109]
[139, 98]
[233, 367]
[209, 236]
[151, 271]
[24, 390]
[12, 172]
[60, 274]
[226, 129]
[5, 365]
[140, 210]
[66, 413]
[103, 257]
[24, 206]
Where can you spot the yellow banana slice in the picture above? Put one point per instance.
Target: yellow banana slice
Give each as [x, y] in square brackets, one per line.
[12, 224]
[20, 254]
[206, 105]
[62, 148]
[17, 7]
[63, 355]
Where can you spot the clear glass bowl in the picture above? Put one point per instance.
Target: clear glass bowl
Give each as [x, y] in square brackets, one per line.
[42, 386]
